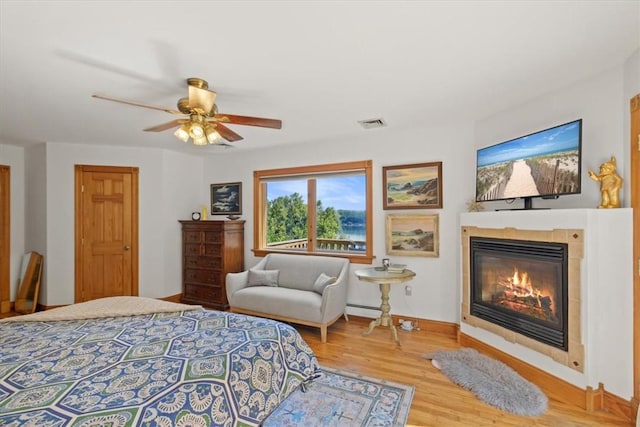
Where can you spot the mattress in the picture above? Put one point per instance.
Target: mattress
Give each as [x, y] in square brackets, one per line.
[129, 361]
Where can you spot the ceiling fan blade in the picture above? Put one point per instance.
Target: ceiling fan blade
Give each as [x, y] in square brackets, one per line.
[227, 133]
[249, 121]
[135, 103]
[165, 126]
[202, 99]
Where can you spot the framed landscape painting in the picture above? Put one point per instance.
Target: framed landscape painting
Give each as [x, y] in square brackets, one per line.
[415, 186]
[412, 235]
[226, 198]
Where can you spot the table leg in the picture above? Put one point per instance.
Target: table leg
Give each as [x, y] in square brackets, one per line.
[395, 334]
[385, 318]
[372, 325]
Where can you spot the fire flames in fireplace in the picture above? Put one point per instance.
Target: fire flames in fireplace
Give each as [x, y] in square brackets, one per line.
[517, 293]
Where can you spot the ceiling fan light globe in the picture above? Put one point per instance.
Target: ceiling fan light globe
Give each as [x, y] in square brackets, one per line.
[182, 133]
[212, 134]
[200, 141]
[213, 139]
[196, 131]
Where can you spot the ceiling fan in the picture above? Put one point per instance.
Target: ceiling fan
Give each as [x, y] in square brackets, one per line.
[204, 124]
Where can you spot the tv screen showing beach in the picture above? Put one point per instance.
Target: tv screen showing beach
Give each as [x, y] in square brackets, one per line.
[544, 163]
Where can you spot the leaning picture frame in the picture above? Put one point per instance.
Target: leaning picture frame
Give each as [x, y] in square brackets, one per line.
[413, 186]
[226, 198]
[412, 235]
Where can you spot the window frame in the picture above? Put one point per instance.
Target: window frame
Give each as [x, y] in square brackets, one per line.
[309, 172]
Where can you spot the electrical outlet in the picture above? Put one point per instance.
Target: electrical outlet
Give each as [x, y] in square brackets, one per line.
[407, 290]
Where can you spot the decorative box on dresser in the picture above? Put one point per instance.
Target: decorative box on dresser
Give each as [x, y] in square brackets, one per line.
[210, 250]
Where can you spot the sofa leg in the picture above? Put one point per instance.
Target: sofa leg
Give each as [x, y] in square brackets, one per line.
[323, 333]
[346, 318]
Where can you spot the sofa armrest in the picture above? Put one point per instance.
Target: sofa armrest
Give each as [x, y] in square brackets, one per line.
[235, 282]
[334, 300]
[334, 296]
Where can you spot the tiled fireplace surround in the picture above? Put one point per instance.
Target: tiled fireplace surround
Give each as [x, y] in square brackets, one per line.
[600, 317]
[574, 356]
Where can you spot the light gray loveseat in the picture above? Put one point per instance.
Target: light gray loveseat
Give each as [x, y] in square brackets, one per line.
[286, 291]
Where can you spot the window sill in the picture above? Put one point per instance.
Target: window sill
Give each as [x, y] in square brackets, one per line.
[354, 259]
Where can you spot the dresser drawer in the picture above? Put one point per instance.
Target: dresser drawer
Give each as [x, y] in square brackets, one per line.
[212, 249]
[211, 277]
[212, 237]
[192, 236]
[204, 293]
[192, 250]
[211, 262]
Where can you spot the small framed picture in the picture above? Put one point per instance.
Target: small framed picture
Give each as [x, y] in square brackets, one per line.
[415, 186]
[226, 198]
[412, 235]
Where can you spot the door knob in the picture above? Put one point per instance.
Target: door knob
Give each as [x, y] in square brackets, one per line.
[127, 247]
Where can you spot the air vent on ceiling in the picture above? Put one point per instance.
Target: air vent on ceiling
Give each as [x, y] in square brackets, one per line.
[372, 123]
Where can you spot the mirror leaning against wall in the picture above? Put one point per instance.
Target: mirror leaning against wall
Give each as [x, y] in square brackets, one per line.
[30, 275]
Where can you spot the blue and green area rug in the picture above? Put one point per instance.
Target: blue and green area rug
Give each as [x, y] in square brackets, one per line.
[341, 398]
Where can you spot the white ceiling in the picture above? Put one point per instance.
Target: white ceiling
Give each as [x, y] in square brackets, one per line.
[319, 66]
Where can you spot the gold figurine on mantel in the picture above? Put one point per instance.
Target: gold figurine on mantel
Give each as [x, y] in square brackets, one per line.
[610, 184]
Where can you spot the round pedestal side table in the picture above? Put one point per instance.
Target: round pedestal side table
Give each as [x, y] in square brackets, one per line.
[384, 279]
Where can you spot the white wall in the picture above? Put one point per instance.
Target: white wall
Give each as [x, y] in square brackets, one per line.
[35, 200]
[168, 183]
[181, 192]
[14, 158]
[599, 102]
[435, 292]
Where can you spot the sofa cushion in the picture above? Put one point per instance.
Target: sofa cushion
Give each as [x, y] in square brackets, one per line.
[263, 277]
[292, 303]
[322, 282]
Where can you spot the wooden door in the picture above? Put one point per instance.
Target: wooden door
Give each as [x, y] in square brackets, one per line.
[635, 204]
[106, 232]
[5, 239]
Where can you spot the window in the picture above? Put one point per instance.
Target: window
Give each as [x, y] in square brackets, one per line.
[321, 209]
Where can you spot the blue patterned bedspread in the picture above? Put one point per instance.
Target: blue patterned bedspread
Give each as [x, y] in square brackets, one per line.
[190, 368]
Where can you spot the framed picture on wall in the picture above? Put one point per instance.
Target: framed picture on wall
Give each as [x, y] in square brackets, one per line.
[415, 186]
[226, 198]
[412, 235]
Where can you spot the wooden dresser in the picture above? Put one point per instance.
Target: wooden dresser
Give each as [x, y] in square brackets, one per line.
[210, 250]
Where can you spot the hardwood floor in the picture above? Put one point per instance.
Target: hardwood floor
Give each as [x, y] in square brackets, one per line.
[436, 401]
[9, 314]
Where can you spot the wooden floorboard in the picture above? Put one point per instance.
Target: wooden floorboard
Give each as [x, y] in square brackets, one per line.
[436, 401]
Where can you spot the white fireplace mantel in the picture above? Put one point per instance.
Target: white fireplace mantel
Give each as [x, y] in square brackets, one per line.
[606, 289]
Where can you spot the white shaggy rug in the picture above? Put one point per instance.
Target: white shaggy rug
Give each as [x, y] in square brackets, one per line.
[491, 381]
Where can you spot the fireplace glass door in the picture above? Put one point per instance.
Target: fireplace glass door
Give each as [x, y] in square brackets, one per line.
[522, 286]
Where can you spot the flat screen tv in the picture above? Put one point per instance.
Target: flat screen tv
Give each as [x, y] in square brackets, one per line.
[543, 164]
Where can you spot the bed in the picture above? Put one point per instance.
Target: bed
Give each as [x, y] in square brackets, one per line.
[127, 361]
